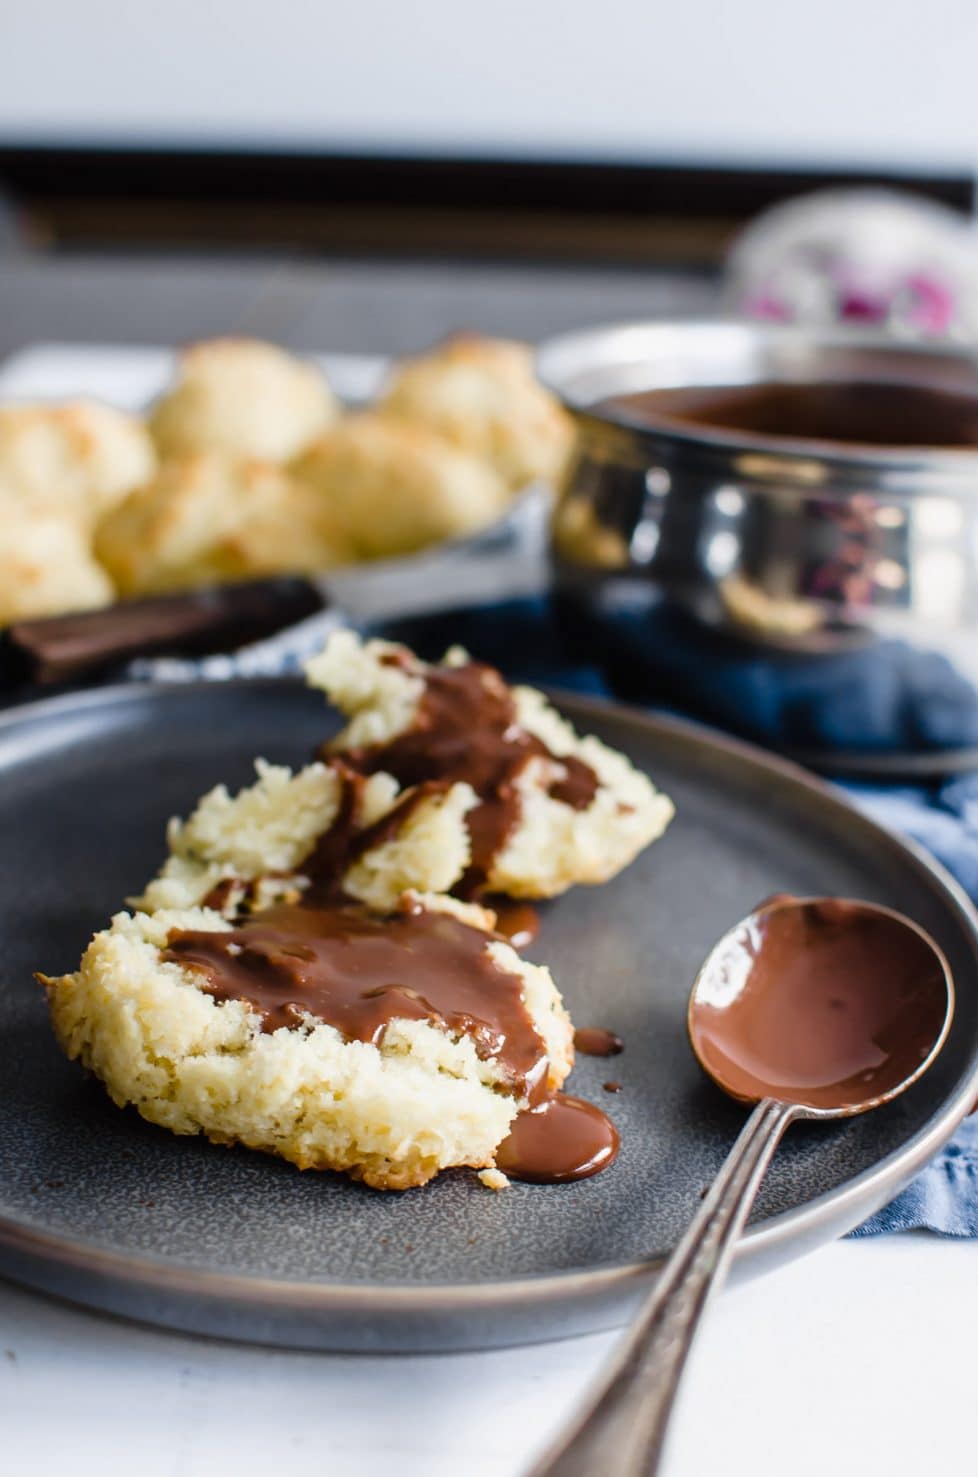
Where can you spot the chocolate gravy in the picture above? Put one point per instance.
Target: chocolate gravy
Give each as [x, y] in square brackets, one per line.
[466, 729]
[222, 892]
[564, 1138]
[823, 1003]
[358, 972]
[328, 957]
[333, 852]
[339, 963]
[519, 923]
[868, 413]
[596, 1041]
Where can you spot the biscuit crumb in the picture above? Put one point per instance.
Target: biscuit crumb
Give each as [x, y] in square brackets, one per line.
[494, 1179]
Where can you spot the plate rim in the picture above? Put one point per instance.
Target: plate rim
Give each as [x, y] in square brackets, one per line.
[837, 1210]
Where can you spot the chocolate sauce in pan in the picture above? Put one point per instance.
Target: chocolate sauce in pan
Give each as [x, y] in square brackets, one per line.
[466, 729]
[564, 1138]
[869, 413]
[596, 1041]
[818, 1000]
[358, 972]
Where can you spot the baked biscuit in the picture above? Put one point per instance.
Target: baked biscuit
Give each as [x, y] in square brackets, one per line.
[243, 397]
[79, 459]
[210, 517]
[481, 394]
[429, 1093]
[46, 566]
[397, 487]
[248, 850]
[552, 809]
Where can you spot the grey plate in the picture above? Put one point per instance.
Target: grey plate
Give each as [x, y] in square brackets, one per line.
[908, 768]
[99, 1207]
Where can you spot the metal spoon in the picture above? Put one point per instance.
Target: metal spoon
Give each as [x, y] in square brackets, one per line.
[810, 1008]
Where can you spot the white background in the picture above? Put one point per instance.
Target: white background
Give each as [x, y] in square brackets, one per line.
[858, 1361]
[830, 81]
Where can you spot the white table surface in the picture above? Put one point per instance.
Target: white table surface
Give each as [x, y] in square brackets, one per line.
[858, 1359]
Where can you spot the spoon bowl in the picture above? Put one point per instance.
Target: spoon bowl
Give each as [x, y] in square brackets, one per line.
[830, 1005]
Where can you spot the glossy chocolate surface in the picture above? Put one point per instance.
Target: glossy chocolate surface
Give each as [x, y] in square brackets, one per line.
[596, 1041]
[519, 923]
[358, 972]
[868, 413]
[563, 1139]
[827, 1003]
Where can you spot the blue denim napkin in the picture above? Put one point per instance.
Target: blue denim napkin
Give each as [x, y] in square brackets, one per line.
[890, 699]
[898, 700]
[944, 1197]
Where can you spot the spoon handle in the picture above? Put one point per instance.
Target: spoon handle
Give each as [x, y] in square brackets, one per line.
[623, 1426]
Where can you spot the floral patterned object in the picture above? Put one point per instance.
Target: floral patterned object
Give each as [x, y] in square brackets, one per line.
[862, 257]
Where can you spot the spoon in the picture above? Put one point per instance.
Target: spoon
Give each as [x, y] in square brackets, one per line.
[810, 1008]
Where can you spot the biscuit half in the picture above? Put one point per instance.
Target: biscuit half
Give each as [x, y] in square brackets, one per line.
[392, 1114]
[381, 688]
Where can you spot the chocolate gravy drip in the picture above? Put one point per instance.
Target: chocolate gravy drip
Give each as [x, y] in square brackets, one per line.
[221, 893]
[247, 893]
[389, 824]
[338, 848]
[824, 1003]
[519, 923]
[870, 413]
[596, 1041]
[358, 972]
[564, 1138]
[333, 851]
[466, 729]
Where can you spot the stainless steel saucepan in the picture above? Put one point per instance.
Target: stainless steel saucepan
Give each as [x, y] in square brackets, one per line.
[813, 545]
